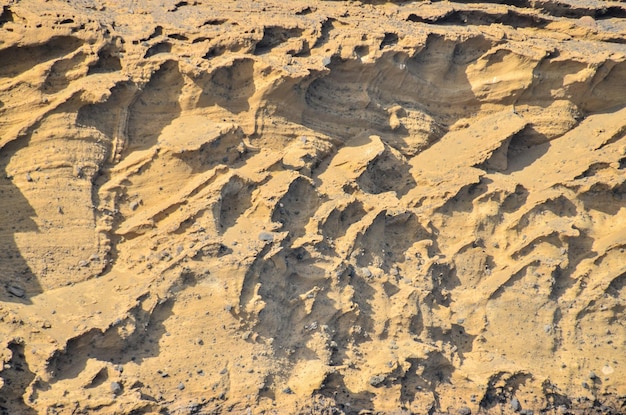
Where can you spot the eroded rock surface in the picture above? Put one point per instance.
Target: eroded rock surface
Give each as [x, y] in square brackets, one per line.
[312, 207]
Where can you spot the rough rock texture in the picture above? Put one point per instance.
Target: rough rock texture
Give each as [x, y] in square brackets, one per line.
[312, 207]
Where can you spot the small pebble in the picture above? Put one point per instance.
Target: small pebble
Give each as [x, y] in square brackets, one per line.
[266, 236]
[465, 411]
[288, 390]
[515, 405]
[607, 369]
[28, 177]
[181, 386]
[365, 272]
[116, 388]
[592, 375]
[376, 380]
[16, 291]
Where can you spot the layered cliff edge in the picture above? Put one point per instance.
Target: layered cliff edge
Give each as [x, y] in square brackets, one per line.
[312, 207]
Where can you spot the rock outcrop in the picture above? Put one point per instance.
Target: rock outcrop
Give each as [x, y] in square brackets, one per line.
[312, 207]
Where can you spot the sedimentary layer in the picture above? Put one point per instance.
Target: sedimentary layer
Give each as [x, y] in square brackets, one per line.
[312, 207]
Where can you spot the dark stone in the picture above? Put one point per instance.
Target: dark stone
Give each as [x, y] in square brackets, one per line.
[515, 405]
[377, 380]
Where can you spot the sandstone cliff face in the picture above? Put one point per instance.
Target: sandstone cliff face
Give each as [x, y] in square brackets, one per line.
[312, 207]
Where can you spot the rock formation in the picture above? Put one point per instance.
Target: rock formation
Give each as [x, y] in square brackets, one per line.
[312, 207]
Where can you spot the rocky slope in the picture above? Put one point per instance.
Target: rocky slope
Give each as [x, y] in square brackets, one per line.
[312, 207]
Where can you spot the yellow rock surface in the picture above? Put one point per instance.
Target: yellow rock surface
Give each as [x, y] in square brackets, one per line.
[333, 207]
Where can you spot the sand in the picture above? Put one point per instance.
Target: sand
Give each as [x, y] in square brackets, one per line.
[320, 207]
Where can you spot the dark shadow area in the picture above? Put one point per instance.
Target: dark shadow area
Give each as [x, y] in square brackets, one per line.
[110, 346]
[161, 47]
[156, 107]
[178, 36]
[605, 198]
[593, 169]
[605, 97]
[461, 339]
[216, 50]
[478, 17]
[554, 396]
[306, 10]
[416, 325]
[286, 282]
[178, 5]
[18, 282]
[227, 148]
[57, 79]
[235, 199]
[105, 116]
[390, 39]
[502, 387]
[214, 22]
[515, 200]
[463, 201]
[248, 287]
[579, 248]
[348, 402]
[444, 280]
[615, 287]
[6, 15]
[268, 390]
[529, 245]
[385, 173]
[513, 279]
[108, 59]
[562, 9]
[437, 369]
[426, 375]
[229, 87]
[18, 59]
[560, 206]
[274, 36]
[351, 327]
[411, 383]
[16, 376]
[327, 27]
[388, 238]
[340, 219]
[525, 148]
[296, 207]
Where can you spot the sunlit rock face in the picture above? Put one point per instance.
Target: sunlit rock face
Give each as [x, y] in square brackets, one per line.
[312, 207]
